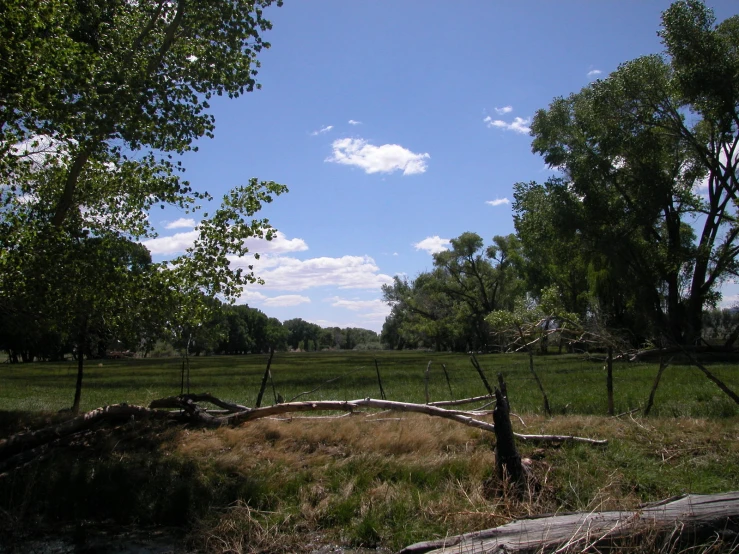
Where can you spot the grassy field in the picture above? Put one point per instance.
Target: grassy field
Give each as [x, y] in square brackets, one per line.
[372, 480]
[575, 385]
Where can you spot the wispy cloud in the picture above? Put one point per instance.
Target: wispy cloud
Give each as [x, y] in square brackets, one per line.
[433, 245]
[354, 122]
[372, 309]
[255, 297]
[286, 300]
[519, 124]
[187, 223]
[377, 159]
[594, 72]
[322, 130]
[498, 202]
[504, 110]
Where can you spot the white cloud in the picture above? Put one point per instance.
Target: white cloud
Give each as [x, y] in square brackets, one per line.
[248, 295]
[173, 244]
[286, 273]
[322, 130]
[504, 110]
[179, 242]
[395, 254]
[433, 245]
[519, 124]
[286, 300]
[375, 310]
[594, 72]
[251, 296]
[377, 159]
[188, 223]
[498, 202]
[354, 122]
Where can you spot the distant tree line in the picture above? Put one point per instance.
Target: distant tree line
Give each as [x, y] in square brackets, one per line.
[221, 329]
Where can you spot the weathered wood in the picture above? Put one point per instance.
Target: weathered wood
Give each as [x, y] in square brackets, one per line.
[507, 460]
[266, 376]
[32, 439]
[446, 374]
[189, 411]
[650, 402]
[686, 517]
[351, 405]
[426, 382]
[461, 401]
[379, 380]
[609, 381]
[476, 364]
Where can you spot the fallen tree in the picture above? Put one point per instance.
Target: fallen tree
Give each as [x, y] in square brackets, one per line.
[689, 519]
[25, 447]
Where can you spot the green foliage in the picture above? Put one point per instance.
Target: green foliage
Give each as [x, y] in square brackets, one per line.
[446, 308]
[633, 161]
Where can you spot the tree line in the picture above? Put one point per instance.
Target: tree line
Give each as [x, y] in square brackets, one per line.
[638, 229]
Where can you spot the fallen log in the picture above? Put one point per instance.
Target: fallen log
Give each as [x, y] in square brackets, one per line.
[28, 446]
[185, 403]
[691, 518]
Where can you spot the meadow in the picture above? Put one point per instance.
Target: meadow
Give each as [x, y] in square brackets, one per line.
[575, 384]
[377, 480]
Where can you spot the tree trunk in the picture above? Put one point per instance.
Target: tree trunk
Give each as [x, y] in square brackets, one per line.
[609, 380]
[507, 460]
[689, 520]
[80, 371]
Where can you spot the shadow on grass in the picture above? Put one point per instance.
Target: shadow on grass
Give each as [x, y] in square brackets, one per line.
[127, 474]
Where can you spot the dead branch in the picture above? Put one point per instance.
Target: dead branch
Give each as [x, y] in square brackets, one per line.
[461, 401]
[352, 405]
[31, 439]
[690, 518]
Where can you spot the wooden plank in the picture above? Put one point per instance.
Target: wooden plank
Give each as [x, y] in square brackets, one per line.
[580, 531]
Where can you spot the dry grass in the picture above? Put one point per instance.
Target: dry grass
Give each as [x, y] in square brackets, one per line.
[366, 481]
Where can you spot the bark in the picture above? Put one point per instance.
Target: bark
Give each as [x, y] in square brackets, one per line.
[31, 446]
[609, 381]
[662, 366]
[426, 382]
[201, 417]
[691, 518]
[461, 401]
[507, 460]
[80, 372]
[264, 378]
[482, 375]
[379, 380]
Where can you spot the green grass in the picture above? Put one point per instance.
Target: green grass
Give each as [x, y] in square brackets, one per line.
[574, 384]
[388, 481]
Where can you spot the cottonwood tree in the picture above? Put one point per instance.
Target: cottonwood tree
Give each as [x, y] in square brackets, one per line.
[646, 153]
[446, 307]
[97, 102]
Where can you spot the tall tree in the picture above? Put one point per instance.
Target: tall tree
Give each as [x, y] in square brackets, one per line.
[97, 101]
[636, 150]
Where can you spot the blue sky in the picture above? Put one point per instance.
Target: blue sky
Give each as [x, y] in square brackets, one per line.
[397, 125]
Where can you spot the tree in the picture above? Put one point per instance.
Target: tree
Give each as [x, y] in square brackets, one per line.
[446, 307]
[97, 100]
[636, 149]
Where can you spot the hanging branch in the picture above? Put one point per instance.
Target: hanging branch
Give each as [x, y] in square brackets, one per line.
[266, 375]
[451, 394]
[379, 380]
[662, 366]
[482, 375]
[719, 383]
[426, 382]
